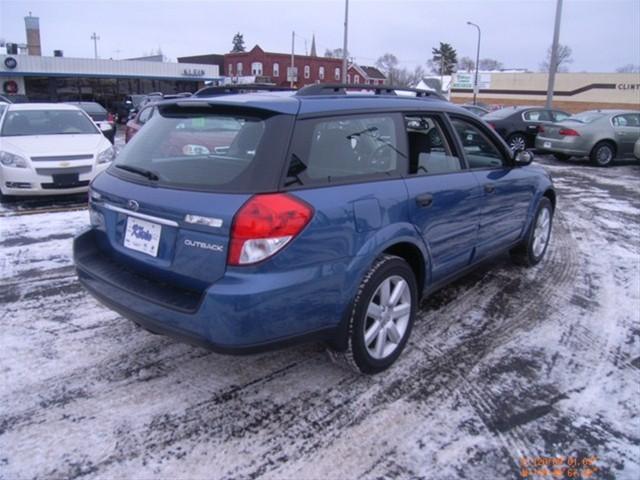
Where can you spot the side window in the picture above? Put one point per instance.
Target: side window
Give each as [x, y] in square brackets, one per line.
[479, 150]
[337, 149]
[536, 116]
[145, 115]
[627, 120]
[559, 116]
[429, 150]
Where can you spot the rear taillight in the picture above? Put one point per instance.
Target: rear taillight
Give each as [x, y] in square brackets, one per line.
[568, 132]
[111, 118]
[540, 129]
[264, 225]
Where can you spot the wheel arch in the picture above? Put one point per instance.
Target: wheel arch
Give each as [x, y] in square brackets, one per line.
[608, 140]
[414, 257]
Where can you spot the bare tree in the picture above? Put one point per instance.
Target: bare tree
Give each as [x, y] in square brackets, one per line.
[489, 64]
[466, 64]
[563, 57]
[628, 68]
[388, 64]
[335, 53]
[408, 78]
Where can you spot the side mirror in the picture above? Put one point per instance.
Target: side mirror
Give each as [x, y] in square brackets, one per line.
[523, 157]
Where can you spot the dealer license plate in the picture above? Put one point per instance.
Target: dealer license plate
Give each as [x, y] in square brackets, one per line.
[142, 236]
[546, 144]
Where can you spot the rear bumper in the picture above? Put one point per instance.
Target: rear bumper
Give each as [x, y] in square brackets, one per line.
[241, 313]
[567, 147]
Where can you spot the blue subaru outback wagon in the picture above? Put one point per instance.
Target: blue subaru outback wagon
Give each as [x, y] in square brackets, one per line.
[251, 221]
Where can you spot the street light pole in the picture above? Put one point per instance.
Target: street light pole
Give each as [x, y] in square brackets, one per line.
[344, 45]
[554, 56]
[95, 39]
[475, 82]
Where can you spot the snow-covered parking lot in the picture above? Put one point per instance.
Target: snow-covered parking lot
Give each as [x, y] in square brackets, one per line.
[505, 369]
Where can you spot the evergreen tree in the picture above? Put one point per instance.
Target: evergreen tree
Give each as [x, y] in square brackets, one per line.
[444, 59]
[238, 43]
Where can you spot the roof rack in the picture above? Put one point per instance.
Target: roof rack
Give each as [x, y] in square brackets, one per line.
[238, 88]
[341, 89]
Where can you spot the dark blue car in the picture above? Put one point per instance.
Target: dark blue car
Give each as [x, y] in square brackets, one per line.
[252, 221]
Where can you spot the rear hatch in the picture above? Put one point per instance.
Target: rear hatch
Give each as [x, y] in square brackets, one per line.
[167, 205]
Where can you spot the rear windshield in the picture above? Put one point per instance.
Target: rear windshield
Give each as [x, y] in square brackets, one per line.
[204, 151]
[585, 117]
[92, 108]
[47, 122]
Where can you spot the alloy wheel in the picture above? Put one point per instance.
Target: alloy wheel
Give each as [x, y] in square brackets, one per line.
[541, 232]
[604, 155]
[388, 317]
[517, 143]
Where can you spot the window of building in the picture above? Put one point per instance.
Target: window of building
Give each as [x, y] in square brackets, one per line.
[321, 73]
[337, 73]
[356, 79]
[348, 78]
[230, 69]
[256, 68]
[239, 68]
[276, 69]
[307, 71]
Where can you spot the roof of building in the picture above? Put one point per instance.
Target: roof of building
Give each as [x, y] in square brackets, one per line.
[210, 59]
[373, 72]
[258, 49]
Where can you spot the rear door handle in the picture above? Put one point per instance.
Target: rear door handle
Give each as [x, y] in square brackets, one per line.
[425, 200]
[489, 188]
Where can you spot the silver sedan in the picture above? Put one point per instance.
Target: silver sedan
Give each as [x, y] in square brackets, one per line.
[601, 135]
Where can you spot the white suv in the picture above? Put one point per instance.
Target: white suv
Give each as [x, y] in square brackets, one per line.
[49, 149]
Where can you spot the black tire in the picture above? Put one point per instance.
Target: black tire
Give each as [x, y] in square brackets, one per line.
[357, 356]
[517, 141]
[524, 254]
[603, 153]
[563, 157]
[6, 198]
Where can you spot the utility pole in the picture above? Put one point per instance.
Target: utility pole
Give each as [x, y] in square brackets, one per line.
[344, 45]
[95, 39]
[554, 55]
[475, 82]
[293, 42]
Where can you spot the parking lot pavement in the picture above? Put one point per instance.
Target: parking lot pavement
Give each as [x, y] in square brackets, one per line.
[506, 367]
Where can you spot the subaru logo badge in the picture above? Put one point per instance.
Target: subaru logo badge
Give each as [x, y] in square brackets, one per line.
[133, 205]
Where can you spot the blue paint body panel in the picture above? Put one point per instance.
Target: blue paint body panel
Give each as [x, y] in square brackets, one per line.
[309, 286]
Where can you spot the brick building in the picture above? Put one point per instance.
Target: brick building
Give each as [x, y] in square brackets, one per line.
[272, 67]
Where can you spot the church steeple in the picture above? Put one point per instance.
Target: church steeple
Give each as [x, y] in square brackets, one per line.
[313, 46]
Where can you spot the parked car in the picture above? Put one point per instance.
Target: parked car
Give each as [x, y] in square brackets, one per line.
[519, 125]
[258, 220]
[123, 109]
[104, 120]
[476, 109]
[636, 149]
[138, 121]
[49, 149]
[602, 135]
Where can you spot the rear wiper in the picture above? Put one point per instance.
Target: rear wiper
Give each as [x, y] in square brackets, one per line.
[140, 171]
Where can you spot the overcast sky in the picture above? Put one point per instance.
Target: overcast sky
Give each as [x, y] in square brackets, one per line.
[604, 34]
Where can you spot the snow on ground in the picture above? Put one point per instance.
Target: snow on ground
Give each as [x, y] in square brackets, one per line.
[506, 364]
